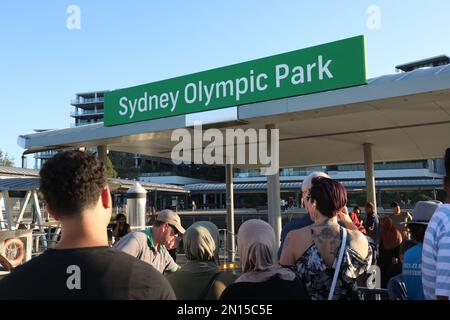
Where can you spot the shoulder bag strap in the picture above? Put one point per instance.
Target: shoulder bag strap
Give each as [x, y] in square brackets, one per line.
[338, 265]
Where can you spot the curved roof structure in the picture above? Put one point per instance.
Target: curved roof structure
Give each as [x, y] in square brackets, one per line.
[26, 184]
[429, 184]
[405, 116]
[13, 171]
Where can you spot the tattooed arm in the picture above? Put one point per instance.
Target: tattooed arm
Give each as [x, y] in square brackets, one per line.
[295, 244]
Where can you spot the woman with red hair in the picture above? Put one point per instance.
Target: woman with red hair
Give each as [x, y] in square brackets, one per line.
[327, 256]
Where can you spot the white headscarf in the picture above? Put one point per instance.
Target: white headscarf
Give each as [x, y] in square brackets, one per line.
[257, 248]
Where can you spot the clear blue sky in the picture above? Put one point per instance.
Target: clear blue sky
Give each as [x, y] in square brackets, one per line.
[124, 43]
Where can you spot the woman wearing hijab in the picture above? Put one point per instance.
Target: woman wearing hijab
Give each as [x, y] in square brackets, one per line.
[262, 278]
[199, 278]
[390, 240]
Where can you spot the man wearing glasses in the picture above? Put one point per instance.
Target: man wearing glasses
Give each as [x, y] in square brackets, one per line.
[152, 245]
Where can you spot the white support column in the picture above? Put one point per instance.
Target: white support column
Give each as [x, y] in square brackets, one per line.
[39, 219]
[273, 192]
[136, 161]
[24, 206]
[273, 205]
[370, 178]
[230, 211]
[56, 235]
[8, 209]
[28, 250]
[2, 219]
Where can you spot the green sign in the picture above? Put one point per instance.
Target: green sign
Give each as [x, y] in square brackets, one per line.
[328, 66]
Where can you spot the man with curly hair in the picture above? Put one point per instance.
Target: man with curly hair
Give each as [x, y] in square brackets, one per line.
[82, 265]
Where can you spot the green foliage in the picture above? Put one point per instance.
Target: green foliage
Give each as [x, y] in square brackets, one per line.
[422, 197]
[5, 159]
[110, 171]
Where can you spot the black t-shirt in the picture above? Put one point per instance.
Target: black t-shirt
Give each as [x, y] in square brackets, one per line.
[272, 289]
[85, 273]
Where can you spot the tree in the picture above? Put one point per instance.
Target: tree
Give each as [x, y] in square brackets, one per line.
[110, 171]
[5, 159]
[422, 197]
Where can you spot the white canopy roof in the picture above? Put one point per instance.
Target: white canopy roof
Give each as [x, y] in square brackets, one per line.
[406, 116]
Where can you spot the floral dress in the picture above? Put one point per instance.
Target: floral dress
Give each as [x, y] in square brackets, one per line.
[318, 277]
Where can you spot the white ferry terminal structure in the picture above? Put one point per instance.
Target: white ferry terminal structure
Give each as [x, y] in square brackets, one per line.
[338, 117]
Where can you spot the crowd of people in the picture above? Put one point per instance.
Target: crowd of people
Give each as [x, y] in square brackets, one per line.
[322, 256]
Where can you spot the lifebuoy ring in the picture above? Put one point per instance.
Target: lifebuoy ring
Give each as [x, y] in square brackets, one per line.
[5, 263]
[14, 251]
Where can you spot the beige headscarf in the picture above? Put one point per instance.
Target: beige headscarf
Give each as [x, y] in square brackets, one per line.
[201, 242]
[257, 247]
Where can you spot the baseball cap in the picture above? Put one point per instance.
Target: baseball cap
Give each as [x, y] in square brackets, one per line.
[423, 211]
[170, 217]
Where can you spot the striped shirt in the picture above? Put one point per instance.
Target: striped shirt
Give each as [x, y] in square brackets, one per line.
[436, 255]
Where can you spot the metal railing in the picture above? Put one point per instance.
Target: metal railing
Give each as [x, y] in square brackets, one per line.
[41, 240]
[86, 100]
[157, 174]
[45, 154]
[224, 251]
[86, 112]
[72, 125]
